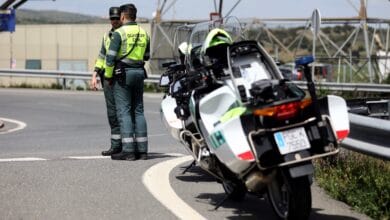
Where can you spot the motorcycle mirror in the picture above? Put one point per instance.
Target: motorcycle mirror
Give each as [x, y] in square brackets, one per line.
[176, 88]
[315, 28]
[316, 22]
[164, 81]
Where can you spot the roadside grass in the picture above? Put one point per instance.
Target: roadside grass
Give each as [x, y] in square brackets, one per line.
[361, 181]
[33, 86]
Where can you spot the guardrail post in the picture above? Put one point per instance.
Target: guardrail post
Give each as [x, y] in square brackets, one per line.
[388, 110]
[63, 83]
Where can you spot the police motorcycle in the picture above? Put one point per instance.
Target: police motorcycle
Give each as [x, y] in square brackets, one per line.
[246, 125]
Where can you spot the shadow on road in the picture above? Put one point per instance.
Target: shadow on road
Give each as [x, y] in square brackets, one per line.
[152, 156]
[252, 207]
[195, 174]
[320, 216]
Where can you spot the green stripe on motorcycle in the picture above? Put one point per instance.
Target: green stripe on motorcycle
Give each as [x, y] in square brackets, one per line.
[232, 113]
[217, 139]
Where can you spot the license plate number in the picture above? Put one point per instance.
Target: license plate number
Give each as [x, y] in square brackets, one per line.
[291, 140]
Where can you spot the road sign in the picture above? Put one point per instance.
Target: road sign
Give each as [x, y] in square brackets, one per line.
[7, 20]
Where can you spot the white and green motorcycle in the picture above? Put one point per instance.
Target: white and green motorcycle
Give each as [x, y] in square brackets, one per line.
[256, 132]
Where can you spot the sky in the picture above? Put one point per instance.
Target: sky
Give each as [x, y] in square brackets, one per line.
[200, 9]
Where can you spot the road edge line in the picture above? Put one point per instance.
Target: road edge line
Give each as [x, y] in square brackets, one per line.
[156, 180]
[20, 125]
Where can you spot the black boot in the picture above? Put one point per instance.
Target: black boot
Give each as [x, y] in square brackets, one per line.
[111, 151]
[142, 155]
[130, 156]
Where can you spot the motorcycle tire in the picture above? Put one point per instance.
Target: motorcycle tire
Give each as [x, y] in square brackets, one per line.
[290, 197]
[235, 191]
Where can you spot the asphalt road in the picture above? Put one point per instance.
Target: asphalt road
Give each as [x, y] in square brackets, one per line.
[64, 176]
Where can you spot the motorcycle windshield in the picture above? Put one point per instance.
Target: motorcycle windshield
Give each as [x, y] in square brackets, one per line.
[200, 32]
[180, 40]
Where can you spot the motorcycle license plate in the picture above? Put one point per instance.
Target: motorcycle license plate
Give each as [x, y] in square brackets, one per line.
[291, 140]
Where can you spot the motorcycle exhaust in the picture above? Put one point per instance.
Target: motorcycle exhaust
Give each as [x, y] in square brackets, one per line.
[257, 181]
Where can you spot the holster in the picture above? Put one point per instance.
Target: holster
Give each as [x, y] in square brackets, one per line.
[100, 73]
[120, 73]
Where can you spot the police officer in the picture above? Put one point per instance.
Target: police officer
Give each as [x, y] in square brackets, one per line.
[116, 145]
[128, 50]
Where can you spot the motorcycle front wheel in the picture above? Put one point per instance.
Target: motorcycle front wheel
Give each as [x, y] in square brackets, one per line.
[290, 197]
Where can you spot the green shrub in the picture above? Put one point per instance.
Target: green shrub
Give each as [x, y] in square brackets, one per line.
[55, 86]
[32, 86]
[387, 81]
[152, 87]
[360, 181]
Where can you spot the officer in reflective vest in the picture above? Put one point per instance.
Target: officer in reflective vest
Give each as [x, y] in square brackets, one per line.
[128, 50]
[116, 145]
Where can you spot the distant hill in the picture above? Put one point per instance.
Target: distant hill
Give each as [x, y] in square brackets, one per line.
[24, 16]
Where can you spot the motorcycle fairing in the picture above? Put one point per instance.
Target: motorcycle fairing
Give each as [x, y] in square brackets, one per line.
[169, 117]
[224, 134]
[214, 105]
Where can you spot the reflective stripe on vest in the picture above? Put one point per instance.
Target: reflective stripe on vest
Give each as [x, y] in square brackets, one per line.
[131, 62]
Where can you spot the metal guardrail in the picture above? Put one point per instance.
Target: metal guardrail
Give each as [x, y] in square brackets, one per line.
[358, 87]
[369, 136]
[364, 87]
[58, 74]
[45, 74]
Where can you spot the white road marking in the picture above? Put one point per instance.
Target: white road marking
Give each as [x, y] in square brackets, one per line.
[98, 157]
[87, 157]
[156, 180]
[22, 159]
[20, 125]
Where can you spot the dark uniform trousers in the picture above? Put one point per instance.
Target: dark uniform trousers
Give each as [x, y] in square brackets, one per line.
[112, 117]
[130, 110]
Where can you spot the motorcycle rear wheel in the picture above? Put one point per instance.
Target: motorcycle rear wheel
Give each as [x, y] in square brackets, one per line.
[290, 197]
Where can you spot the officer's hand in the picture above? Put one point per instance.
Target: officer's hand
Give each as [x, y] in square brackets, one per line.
[94, 81]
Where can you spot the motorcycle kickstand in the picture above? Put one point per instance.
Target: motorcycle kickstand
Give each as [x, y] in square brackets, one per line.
[189, 167]
[220, 203]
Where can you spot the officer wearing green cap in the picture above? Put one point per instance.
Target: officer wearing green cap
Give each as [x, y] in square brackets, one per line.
[116, 145]
[128, 50]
